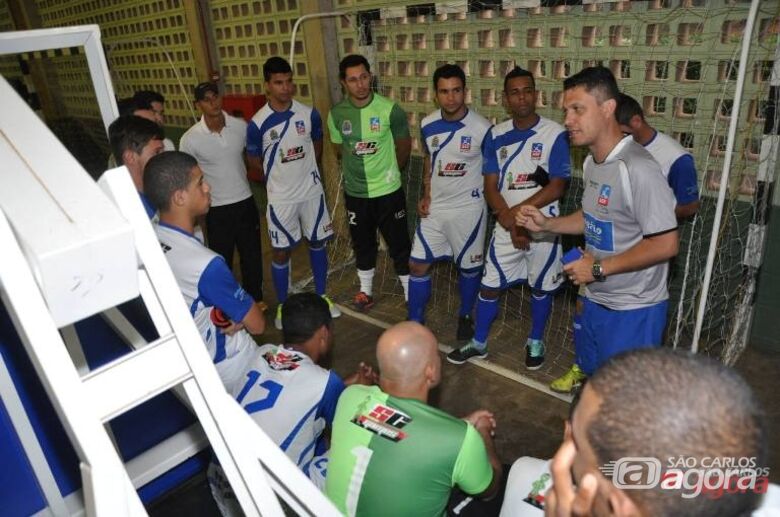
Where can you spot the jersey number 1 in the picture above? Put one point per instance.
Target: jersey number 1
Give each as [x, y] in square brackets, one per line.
[274, 389]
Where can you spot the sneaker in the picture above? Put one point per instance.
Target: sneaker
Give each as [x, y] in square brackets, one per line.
[278, 318]
[465, 328]
[534, 354]
[334, 311]
[569, 382]
[363, 302]
[464, 353]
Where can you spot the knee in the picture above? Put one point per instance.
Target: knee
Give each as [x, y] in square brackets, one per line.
[486, 293]
[418, 268]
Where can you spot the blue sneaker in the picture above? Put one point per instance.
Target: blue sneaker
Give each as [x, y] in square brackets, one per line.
[534, 354]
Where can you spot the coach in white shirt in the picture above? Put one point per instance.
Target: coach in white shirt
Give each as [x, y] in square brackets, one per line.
[217, 141]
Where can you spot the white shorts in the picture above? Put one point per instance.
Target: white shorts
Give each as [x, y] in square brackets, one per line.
[452, 234]
[540, 266]
[287, 221]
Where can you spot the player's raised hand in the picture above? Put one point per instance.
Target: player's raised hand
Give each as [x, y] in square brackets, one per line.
[563, 499]
[531, 218]
[424, 206]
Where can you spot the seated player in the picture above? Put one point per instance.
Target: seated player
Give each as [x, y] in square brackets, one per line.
[289, 395]
[452, 210]
[393, 454]
[134, 140]
[640, 417]
[222, 310]
[284, 145]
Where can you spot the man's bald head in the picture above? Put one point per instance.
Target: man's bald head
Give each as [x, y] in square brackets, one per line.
[405, 351]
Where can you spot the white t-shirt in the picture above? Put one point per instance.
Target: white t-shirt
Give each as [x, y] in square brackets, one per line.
[221, 156]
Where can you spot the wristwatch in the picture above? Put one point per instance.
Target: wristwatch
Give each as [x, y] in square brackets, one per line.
[598, 272]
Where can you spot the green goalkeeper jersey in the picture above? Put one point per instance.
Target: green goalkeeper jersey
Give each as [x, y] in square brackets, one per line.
[367, 137]
[395, 456]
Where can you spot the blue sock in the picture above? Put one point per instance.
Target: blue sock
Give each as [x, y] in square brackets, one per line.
[541, 305]
[419, 294]
[319, 267]
[281, 277]
[468, 284]
[487, 310]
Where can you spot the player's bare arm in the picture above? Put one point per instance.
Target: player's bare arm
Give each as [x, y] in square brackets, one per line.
[403, 149]
[687, 210]
[255, 166]
[533, 219]
[254, 321]
[647, 252]
[317, 144]
[424, 205]
[551, 192]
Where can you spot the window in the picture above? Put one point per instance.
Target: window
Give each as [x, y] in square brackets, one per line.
[591, 37]
[685, 107]
[487, 68]
[488, 97]
[654, 105]
[538, 68]
[619, 35]
[441, 41]
[621, 68]
[732, 31]
[689, 71]
[485, 38]
[723, 108]
[506, 38]
[657, 70]
[727, 70]
[534, 38]
[561, 69]
[762, 71]
[558, 37]
[690, 33]
[657, 34]
[685, 139]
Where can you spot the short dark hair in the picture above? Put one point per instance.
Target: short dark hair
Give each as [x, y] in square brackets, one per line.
[664, 404]
[145, 98]
[519, 72]
[130, 132]
[627, 108]
[303, 314]
[126, 106]
[275, 65]
[448, 71]
[597, 78]
[350, 61]
[165, 174]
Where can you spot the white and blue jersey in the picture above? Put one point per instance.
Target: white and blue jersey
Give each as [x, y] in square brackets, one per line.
[292, 399]
[457, 153]
[207, 284]
[677, 167]
[285, 143]
[520, 157]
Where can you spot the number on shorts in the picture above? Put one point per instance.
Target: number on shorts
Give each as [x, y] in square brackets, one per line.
[315, 177]
[475, 193]
[274, 389]
[275, 236]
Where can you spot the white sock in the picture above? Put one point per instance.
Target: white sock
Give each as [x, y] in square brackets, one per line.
[405, 284]
[366, 280]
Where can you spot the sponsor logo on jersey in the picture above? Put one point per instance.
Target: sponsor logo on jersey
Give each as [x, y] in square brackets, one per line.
[383, 421]
[520, 181]
[536, 150]
[274, 135]
[538, 488]
[292, 154]
[465, 144]
[475, 259]
[365, 148]
[165, 248]
[435, 143]
[604, 194]
[452, 169]
[374, 121]
[282, 360]
[598, 233]
[503, 153]
[346, 127]
[300, 127]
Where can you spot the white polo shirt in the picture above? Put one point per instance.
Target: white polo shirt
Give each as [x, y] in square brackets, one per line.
[221, 156]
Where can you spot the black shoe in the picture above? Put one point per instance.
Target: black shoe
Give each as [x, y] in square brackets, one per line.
[464, 353]
[465, 328]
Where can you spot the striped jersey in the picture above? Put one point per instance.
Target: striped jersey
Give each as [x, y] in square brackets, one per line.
[456, 153]
[285, 143]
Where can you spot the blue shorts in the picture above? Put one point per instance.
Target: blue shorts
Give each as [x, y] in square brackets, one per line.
[607, 332]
